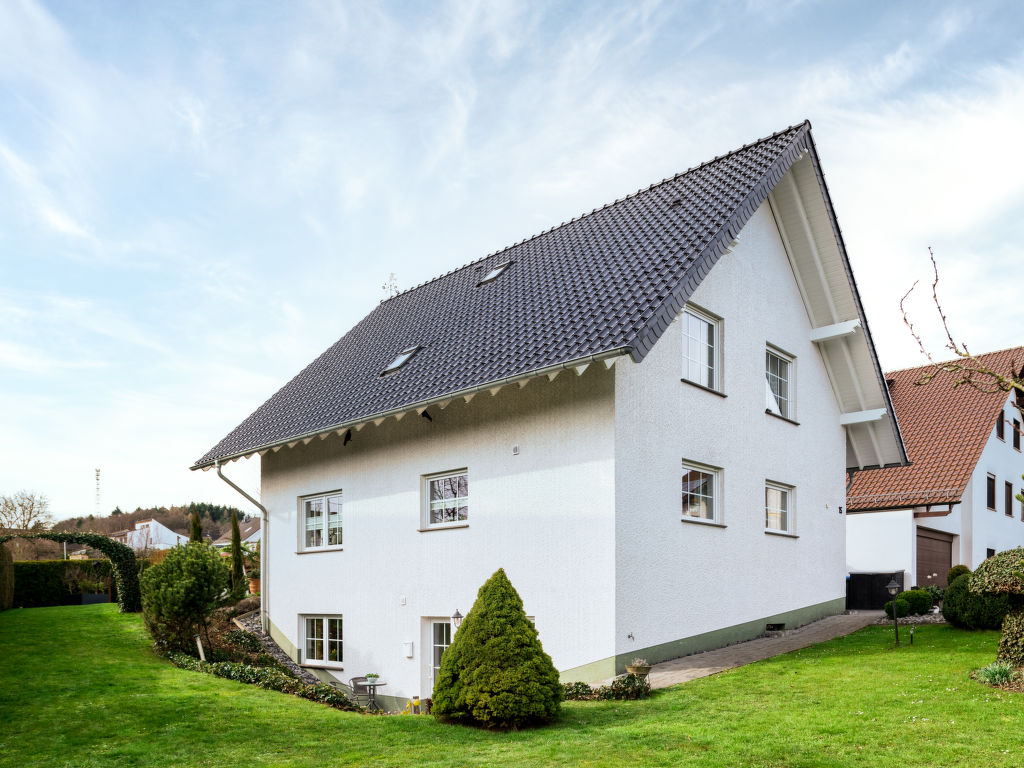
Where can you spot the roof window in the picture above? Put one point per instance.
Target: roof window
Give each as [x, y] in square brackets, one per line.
[403, 357]
[495, 272]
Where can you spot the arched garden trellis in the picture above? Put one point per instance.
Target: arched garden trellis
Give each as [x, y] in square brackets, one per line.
[122, 560]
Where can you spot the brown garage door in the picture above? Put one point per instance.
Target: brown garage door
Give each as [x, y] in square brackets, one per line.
[934, 557]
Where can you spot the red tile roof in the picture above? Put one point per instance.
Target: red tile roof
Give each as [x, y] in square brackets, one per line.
[945, 427]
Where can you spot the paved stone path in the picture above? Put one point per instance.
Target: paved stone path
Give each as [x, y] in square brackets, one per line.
[709, 662]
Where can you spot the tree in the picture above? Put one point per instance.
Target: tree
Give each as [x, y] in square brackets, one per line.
[25, 511]
[495, 673]
[1003, 574]
[196, 534]
[237, 572]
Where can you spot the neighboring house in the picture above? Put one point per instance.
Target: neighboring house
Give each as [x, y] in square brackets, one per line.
[644, 415]
[79, 554]
[956, 502]
[149, 535]
[249, 531]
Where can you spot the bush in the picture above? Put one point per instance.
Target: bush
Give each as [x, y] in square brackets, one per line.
[970, 610]
[902, 608]
[180, 594]
[268, 678]
[577, 691]
[495, 673]
[622, 688]
[936, 592]
[996, 673]
[247, 641]
[918, 601]
[1002, 576]
[6, 579]
[955, 572]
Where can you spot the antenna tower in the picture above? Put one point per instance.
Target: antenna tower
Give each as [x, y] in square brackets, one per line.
[97, 492]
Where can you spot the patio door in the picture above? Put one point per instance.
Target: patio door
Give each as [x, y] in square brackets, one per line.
[440, 639]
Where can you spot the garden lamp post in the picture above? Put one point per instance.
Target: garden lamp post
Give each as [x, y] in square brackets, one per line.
[893, 588]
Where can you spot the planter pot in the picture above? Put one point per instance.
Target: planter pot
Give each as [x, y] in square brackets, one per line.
[642, 671]
[254, 586]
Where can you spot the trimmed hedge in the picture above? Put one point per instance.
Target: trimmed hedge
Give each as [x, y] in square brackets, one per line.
[39, 583]
[955, 571]
[269, 678]
[919, 601]
[969, 610]
[1002, 577]
[6, 579]
[902, 608]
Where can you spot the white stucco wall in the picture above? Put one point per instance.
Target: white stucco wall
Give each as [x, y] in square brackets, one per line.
[881, 542]
[151, 534]
[676, 579]
[545, 515]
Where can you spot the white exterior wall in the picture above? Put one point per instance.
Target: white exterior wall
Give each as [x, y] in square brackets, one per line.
[677, 579]
[544, 515]
[153, 535]
[882, 542]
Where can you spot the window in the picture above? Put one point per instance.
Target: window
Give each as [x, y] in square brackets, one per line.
[322, 640]
[440, 639]
[778, 507]
[401, 359]
[1001, 426]
[495, 273]
[447, 498]
[989, 553]
[1021, 496]
[701, 492]
[321, 521]
[990, 492]
[700, 349]
[778, 385]
[1016, 434]
[1008, 499]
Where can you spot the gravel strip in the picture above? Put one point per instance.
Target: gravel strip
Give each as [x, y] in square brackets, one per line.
[250, 622]
[927, 618]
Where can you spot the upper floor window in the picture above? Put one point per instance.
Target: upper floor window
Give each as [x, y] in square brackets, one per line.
[321, 521]
[1001, 426]
[401, 359]
[778, 507]
[778, 369]
[701, 344]
[322, 640]
[1008, 499]
[447, 498]
[1016, 434]
[701, 492]
[990, 491]
[494, 273]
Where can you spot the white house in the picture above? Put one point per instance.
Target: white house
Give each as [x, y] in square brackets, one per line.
[644, 415]
[956, 502]
[150, 535]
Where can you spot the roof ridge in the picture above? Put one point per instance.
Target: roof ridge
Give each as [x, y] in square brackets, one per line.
[941, 363]
[586, 214]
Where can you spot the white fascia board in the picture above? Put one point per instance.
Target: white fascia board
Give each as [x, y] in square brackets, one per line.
[835, 331]
[861, 417]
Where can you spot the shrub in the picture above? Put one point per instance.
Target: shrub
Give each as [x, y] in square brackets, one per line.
[970, 610]
[955, 572]
[577, 691]
[622, 688]
[39, 583]
[247, 641]
[238, 582]
[918, 600]
[936, 592]
[996, 673]
[495, 673]
[902, 608]
[1002, 576]
[268, 678]
[180, 594]
[6, 579]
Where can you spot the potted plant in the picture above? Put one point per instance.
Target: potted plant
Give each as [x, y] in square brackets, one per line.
[639, 667]
[254, 579]
[252, 567]
[372, 678]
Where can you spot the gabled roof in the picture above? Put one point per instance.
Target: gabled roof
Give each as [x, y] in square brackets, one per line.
[605, 284]
[245, 530]
[945, 430]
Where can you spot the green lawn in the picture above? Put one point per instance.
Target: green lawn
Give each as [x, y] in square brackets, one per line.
[79, 686]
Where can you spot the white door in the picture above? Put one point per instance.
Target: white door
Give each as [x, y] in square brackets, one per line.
[440, 637]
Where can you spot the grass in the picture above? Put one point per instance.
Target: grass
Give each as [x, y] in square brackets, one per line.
[79, 686]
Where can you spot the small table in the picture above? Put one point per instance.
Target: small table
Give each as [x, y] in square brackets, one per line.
[371, 694]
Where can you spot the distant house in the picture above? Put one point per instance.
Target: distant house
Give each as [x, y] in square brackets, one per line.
[150, 535]
[955, 503]
[644, 415]
[249, 531]
[79, 554]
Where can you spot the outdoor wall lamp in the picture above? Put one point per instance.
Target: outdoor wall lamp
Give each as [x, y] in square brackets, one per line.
[894, 589]
[456, 619]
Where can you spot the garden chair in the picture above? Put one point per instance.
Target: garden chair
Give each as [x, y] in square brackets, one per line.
[360, 693]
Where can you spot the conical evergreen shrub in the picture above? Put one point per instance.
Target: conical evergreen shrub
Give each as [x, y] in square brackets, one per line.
[196, 533]
[495, 673]
[237, 572]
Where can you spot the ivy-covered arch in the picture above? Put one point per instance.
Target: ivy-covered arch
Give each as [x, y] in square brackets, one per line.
[122, 560]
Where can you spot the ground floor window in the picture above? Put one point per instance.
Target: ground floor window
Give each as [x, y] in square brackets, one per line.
[441, 638]
[778, 507]
[701, 492]
[322, 640]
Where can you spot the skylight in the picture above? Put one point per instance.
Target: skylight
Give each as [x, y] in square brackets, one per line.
[495, 273]
[402, 358]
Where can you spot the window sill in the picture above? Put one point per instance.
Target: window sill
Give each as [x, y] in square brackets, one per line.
[782, 418]
[318, 550]
[784, 534]
[707, 523]
[448, 527]
[323, 665]
[701, 386]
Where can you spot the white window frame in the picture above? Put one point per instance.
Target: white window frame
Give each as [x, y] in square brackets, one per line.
[790, 510]
[427, 506]
[716, 492]
[325, 527]
[431, 623]
[325, 624]
[699, 362]
[771, 402]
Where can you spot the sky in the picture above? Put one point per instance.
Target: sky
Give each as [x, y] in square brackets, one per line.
[197, 198]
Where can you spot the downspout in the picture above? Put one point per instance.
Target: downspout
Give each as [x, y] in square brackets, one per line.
[264, 552]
